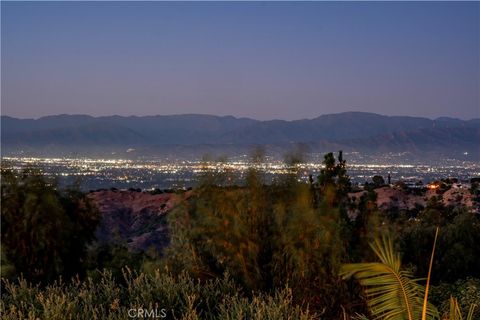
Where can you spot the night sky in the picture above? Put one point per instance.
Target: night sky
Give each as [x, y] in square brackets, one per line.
[265, 60]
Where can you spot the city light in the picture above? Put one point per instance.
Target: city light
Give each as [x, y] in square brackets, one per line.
[158, 173]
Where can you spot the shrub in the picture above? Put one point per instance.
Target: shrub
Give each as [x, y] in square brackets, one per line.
[467, 292]
[45, 231]
[181, 296]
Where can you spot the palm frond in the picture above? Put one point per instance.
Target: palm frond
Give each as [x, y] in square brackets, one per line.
[425, 299]
[471, 311]
[360, 317]
[392, 293]
[456, 312]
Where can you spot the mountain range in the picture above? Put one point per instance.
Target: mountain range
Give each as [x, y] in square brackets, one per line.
[195, 134]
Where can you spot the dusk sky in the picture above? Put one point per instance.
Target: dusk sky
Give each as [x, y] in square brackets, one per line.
[269, 60]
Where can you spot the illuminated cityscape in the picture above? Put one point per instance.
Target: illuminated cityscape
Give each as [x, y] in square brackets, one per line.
[166, 173]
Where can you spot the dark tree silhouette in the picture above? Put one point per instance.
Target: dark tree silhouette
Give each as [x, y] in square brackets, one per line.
[44, 231]
[378, 181]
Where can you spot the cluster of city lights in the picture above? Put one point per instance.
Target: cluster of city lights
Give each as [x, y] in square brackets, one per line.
[163, 173]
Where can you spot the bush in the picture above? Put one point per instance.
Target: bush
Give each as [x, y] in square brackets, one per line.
[181, 296]
[467, 292]
[457, 255]
[45, 231]
[265, 237]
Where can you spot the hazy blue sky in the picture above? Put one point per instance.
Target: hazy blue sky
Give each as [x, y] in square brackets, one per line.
[286, 60]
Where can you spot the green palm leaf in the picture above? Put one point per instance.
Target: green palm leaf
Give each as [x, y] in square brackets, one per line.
[392, 293]
[456, 313]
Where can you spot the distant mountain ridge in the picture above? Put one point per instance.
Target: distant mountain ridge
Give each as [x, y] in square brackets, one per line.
[353, 130]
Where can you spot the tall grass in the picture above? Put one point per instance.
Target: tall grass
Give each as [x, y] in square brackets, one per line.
[181, 296]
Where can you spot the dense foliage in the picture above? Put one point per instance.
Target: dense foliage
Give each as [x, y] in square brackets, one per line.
[466, 291]
[249, 251]
[45, 231]
[180, 297]
[458, 241]
[268, 236]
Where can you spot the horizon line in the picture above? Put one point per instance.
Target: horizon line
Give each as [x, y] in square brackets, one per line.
[232, 116]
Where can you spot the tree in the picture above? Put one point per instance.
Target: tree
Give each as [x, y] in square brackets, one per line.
[264, 237]
[44, 230]
[378, 181]
[333, 183]
[459, 238]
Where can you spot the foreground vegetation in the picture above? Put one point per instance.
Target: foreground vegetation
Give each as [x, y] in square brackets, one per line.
[180, 297]
[288, 250]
